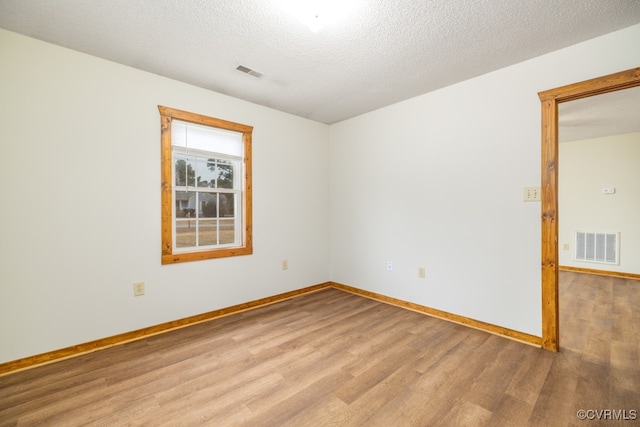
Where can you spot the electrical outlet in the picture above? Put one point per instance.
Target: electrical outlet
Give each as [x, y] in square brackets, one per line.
[285, 264]
[389, 266]
[421, 272]
[565, 247]
[531, 194]
[138, 289]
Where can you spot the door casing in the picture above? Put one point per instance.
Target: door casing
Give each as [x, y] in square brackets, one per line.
[549, 186]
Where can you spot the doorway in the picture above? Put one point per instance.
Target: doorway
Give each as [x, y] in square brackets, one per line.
[550, 100]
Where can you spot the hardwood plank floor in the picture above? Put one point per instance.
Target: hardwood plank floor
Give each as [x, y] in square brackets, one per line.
[331, 358]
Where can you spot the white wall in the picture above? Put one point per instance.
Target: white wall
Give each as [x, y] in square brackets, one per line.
[80, 222]
[586, 167]
[437, 180]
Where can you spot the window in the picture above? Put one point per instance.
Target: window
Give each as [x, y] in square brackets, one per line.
[206, 187]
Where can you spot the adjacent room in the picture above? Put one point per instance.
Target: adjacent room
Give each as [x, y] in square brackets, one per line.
[291, 213]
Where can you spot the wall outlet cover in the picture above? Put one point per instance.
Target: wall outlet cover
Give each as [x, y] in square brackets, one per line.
[531, 194]
[138, 289]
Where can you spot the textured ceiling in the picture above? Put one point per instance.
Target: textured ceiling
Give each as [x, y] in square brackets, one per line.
[614, 113]
[381, 53]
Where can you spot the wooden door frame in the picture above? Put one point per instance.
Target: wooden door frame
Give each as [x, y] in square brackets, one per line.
[549, 186]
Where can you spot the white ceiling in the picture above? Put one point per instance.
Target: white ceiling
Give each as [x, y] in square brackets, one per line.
[614, 113]
[381, 53]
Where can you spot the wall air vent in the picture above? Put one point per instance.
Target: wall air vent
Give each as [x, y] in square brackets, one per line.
[602, 248]
[249, 71]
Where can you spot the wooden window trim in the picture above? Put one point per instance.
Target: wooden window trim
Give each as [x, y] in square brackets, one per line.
[168, 257]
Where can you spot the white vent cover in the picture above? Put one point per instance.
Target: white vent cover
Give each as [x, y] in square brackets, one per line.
[249, 71]
[597, 247]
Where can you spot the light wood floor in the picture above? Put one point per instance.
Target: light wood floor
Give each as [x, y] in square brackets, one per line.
[333, 358]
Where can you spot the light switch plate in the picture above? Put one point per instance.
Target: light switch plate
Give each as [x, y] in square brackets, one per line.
[531, 194]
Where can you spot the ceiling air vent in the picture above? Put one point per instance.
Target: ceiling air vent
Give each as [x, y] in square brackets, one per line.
[249, 71]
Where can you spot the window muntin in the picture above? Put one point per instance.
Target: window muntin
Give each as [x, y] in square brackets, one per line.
[206, 187]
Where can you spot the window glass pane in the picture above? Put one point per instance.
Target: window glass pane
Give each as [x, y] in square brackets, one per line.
[191, 171]
[208, 205]
[225, 174]
[183, 170]
[205, 173]
[185, 233]
[207, 233]
[185, 204]
[227, 231]
[227, 205]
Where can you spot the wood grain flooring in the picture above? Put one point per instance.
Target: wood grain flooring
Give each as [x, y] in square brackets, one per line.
[331, 358]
